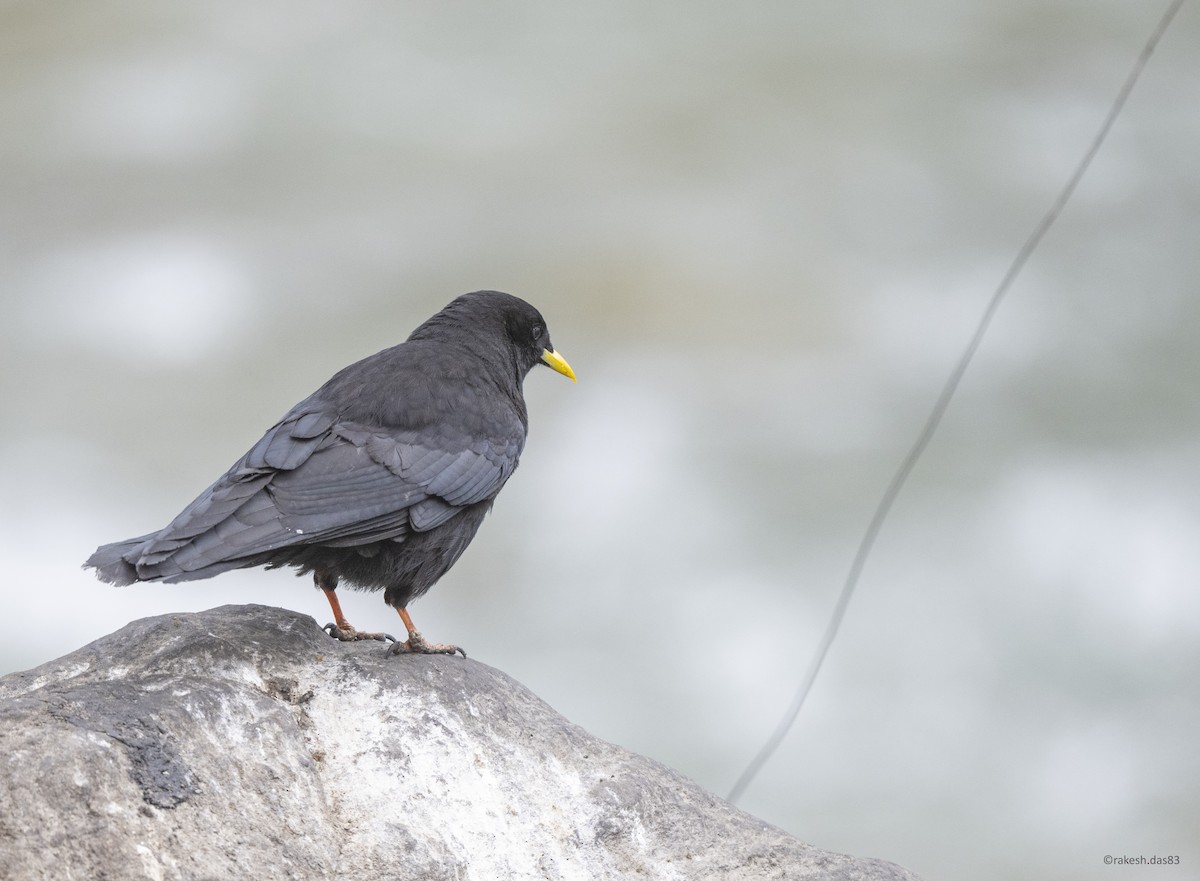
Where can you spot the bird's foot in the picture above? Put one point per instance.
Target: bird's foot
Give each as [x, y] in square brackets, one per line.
[349, 634]
[416, 644]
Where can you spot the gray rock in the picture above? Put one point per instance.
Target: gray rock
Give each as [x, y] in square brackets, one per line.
[244, 743]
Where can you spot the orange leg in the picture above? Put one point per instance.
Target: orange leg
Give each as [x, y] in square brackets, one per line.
[341, 628]
[338, 618]
[416, 642]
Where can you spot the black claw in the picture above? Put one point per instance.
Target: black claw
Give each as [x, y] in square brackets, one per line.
[403, 648]
[337, 633]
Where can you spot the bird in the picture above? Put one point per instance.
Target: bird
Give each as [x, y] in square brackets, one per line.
[379, 479]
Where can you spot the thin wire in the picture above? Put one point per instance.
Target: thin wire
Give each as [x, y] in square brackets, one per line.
[939, 410]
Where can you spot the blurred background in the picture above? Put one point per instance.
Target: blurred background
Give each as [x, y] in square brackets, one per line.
[762, 236]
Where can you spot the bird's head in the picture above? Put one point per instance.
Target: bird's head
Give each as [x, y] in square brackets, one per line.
[497, 325]
[529, 333]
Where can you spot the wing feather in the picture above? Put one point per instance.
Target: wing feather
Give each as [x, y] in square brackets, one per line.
[312, 480]
[431, 512]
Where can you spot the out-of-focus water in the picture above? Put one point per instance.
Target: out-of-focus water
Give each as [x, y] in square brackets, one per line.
[761, 234]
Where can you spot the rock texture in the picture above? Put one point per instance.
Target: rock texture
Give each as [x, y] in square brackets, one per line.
[244, 743]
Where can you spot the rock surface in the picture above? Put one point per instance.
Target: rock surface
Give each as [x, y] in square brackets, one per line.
[244, 743]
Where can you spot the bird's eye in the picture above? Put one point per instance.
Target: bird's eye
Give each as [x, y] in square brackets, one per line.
[536, 332]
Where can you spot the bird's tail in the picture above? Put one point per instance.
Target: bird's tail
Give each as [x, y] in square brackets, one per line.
[114, 563]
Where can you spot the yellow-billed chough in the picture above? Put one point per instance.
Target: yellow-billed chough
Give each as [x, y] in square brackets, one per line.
[380, 478]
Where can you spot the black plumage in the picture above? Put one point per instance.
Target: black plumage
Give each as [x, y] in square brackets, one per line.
[378, 479]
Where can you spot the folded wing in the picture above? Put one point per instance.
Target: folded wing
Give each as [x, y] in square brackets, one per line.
[312, 480]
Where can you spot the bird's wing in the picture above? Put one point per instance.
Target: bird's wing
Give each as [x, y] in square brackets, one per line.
[312, 480]
[233, 513]
[367, 474]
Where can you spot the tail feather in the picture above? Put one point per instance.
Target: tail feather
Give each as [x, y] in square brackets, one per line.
[118, 563]
[114, 562]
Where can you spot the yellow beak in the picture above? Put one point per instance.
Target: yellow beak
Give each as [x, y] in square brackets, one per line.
[558, 363]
